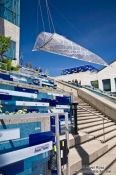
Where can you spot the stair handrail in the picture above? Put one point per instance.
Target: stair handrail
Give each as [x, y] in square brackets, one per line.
[100, 117]
[92, 112]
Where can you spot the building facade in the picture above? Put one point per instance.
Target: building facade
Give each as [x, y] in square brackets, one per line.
[104, 79]
[10, 26]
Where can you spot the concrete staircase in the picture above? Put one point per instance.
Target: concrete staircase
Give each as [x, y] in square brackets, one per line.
[93, 150]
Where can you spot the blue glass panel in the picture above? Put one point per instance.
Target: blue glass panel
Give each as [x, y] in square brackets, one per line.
[63, 100]
[5, 97]
[13, 169]
[4, 76]
[10, 10]
[39, 138]
[11, 52]
[20, 89]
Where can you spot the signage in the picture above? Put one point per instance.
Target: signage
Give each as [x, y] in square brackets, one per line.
[54, 94]
[9, 134]
[63, 106]
[15, 156]
[25, 103]
[17, 93]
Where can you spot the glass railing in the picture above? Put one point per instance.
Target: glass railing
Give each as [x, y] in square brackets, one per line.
[111, 96]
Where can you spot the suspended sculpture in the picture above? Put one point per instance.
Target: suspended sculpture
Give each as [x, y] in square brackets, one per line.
[58, 44]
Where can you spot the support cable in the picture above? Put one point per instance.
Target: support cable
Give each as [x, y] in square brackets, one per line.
[37, 15]
[50, 16]
[41, 13]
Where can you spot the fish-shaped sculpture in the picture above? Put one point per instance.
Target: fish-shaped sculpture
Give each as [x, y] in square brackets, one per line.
[58, 44]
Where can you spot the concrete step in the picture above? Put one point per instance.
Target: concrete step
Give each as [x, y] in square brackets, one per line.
[88, 125]
[111, 170]
[100, 165]
[88, 114]
[86, 106]
[111, 143]
[97, 128]
[108, 136]
[99, 133]
[84, 154]
[90, 121]
[76, 139]
[83, 104]
[79, 118]
[85, 109]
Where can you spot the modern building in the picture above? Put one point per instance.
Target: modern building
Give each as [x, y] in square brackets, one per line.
[104, 79]
[10, 25]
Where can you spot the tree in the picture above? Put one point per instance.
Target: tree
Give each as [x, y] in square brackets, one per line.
[4, 45]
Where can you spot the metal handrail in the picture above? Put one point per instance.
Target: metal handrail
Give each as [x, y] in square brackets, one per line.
[102, 93]
[92, 112]
[98, 116]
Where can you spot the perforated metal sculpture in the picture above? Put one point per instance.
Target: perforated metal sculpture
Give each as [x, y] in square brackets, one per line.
[58, 44]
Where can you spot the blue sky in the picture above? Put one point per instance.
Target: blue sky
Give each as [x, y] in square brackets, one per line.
[90, 23]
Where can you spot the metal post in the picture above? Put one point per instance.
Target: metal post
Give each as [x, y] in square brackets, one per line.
[103, 131]
[74, 108]
[67, 139]
[58, 144]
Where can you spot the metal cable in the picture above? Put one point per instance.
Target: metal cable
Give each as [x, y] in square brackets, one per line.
[39, 3]
[50, 16]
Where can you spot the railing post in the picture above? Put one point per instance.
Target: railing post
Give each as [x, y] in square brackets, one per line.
[58, 144]
[103, 131]
[67, 139]
[74, 110]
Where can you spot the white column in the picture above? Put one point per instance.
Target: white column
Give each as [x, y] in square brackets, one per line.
[100, 84]
[113, 86]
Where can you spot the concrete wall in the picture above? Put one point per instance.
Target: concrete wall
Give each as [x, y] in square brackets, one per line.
[44, 119]
[9, 29]
[70, 89]
[105, 106]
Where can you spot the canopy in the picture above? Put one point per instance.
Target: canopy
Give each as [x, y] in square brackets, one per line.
[58, 44]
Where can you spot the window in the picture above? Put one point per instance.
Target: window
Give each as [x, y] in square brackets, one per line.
[11, 52]
[106, 85]
[10, 10]
[95, 83]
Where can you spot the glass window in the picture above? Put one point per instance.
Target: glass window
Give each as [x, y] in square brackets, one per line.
[106, 85]
[11, 52]
[10, 10]
[95, 83]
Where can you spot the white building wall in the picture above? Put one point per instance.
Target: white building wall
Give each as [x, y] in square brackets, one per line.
[86, 77]
[9, 29]
[108, 73]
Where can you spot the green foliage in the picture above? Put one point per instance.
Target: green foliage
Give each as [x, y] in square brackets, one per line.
[3, 66]
[14, 68]
[6, 64]
[4, 45]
